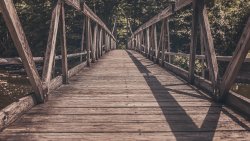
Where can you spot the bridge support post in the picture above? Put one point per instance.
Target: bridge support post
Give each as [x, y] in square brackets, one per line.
[194, 39]
[83, 37]
[156, 59]
[148, 43]
[94, 43]
[88, 41]
[165, 40]
[100, 43]
[51, 45]
[64, 46]
[209, 46]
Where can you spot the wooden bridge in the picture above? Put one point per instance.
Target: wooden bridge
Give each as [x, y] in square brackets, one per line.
[122, 94]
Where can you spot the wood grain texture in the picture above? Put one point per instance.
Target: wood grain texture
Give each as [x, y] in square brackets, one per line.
[194, 38]
[83, 37]
[64, 53]
[127, 97]
[88, 41]
[89, 13]
[209, 45]
[51, 45]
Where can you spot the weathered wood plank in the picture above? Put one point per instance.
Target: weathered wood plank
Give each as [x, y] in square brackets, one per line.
[224, 135]
[124, 93]
[194, 38]
[11, 113]
[209, 45]
[88, 41]
[51, 45]
[94, 44]
[156, 47]
[148, 41]
[83, 37]
[64, 46]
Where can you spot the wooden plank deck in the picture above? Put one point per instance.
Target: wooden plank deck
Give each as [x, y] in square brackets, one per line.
[126, 97]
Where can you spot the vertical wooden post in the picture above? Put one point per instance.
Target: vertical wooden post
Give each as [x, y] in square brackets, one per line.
[141, 41]
[164, 40]
[83, 38]
[234, 66]
[107, 38]
[202, 53]
[148, 43]
[51, 45]
[63, 46]
[155, 42]
[194, 39]
[151, 35]
[169, 42]
[110, 43]
[209, 45]
[97, 43]
[100, 43]
[107, 42]
[88, 41]
[136, 42]
[19, 38]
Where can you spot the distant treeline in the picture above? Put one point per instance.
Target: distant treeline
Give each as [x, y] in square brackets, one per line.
[227, 19]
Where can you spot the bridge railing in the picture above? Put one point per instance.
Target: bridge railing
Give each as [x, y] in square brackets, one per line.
[99, 40]
[95, 35]
[144, 40]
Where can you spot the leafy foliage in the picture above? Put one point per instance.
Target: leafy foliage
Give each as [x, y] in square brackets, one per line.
[227, 19]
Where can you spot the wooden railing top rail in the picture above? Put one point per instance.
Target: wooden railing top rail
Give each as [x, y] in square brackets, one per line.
[219, 58]
[201, 36]
[89, 13]
[164, 14]
[18, 60]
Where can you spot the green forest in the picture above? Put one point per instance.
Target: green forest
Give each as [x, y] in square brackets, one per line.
[227, 19]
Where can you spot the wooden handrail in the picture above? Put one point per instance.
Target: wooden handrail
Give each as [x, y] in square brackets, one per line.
[163, 15]
[89, 13]
[18, 60]
[200, 21]
[219, 58]
[95, 44]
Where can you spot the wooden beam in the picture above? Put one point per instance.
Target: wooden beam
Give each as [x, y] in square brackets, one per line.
[100, 43]
[155, 42]
[89, 13]
[83, 37]
[202, 53]
[97, 42]
[164, 40]
[19, 38]
[50, 51]
[88, 41]
[164, 14]
[148, 42]
[169, 42]
[64, 46]
[194, 39]
[209, 45]
[235, 64]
